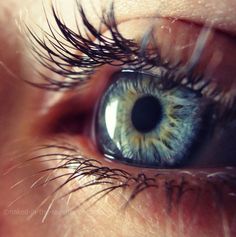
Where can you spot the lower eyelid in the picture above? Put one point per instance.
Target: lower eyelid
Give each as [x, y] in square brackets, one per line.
[190, 197]
[160, 196]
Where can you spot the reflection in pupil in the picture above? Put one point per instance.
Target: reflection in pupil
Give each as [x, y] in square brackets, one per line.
[146, 114]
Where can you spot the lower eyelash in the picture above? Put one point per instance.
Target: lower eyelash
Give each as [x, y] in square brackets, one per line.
[175, 184]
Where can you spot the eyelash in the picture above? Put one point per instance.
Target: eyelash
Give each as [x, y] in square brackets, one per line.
[116, 51]
[80, 168]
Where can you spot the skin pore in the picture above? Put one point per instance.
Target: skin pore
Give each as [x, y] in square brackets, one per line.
[29, 118]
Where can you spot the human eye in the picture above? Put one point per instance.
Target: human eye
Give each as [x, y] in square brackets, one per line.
[147, 87]
[157, 102]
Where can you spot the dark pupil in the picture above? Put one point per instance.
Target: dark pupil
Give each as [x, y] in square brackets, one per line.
[146, 114]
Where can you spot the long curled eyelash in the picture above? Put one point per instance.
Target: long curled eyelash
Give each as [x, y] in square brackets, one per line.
[116, 51]
[87, 53]
[83, 168]
[85, 173]
[94, 54]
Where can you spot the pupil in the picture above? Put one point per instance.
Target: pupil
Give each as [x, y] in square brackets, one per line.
[146, 114]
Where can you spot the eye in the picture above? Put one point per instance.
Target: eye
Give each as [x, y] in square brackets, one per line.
[137, 131]
[142, 115]
[159, 110]
[143, 123]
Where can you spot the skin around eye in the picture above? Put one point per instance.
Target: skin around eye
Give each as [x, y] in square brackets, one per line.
[176, 190]
[203, 12]
[174, 203]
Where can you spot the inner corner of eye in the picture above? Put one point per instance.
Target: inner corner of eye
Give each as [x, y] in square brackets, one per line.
[75, 114]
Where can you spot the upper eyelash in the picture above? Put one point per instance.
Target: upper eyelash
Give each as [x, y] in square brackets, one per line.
[106, 51]
[117, 51]
[62, 59]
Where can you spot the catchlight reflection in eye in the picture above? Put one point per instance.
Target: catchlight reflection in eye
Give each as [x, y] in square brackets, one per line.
[140, 122]
[111, 116]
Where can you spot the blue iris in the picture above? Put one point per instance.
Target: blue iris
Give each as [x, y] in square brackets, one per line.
[140, 122]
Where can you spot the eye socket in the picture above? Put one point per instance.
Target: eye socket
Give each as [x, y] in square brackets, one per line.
[140, 122]
[167, 186]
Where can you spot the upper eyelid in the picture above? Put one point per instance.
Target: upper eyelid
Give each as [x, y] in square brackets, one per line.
[205, 12]
[91, 63]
